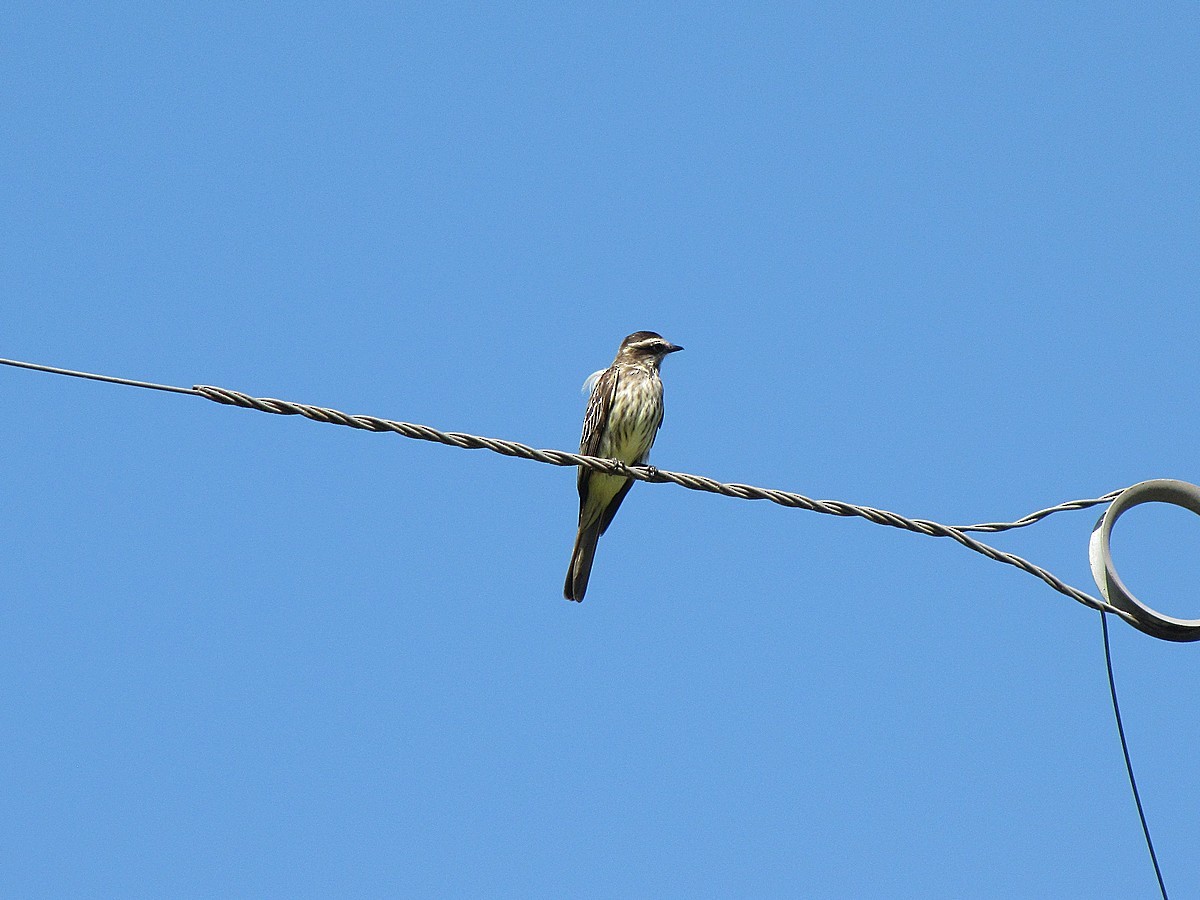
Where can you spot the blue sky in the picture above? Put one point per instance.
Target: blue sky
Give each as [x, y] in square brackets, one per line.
[934, 258]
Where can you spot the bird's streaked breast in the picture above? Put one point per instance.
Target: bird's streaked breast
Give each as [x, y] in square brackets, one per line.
[633, 420]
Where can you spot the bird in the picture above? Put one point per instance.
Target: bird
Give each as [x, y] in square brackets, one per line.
[624, 413]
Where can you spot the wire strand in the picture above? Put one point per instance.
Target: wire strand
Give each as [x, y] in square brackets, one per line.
[1137, 798]
[993, 527]
[640, 473]
[109, 378]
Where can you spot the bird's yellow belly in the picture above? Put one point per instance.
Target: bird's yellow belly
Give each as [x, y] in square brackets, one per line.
[602, 489]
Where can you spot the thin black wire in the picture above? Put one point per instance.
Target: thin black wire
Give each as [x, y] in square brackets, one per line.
[109, 378]
[1137, 798]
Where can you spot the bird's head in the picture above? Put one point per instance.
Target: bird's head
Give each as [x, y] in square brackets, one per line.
[646, 348]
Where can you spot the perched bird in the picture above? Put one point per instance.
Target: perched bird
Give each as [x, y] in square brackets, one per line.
[622, 420]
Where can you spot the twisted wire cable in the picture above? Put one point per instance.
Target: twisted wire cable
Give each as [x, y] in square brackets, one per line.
[641, 473]
[691, 482]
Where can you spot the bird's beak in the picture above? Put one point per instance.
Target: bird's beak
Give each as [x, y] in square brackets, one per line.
[673, 348]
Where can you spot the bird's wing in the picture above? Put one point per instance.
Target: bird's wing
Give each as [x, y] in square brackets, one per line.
[596, 418]
[595, 421]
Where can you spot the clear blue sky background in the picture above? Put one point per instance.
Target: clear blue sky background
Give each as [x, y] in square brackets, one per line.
[940, 259]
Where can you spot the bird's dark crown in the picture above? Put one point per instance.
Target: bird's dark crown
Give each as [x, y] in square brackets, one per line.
[638, 336]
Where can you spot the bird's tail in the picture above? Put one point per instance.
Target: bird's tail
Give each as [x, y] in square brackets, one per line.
[581, 561]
